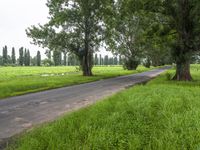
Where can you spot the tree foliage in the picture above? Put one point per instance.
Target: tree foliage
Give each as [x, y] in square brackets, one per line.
[179, 20]
[5, 55]
[74, 25]
[38, 58]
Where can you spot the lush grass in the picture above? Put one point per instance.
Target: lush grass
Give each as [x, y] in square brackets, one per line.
[160, 115]
[20, 80]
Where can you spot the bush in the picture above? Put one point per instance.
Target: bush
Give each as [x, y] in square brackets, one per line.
[131, 64]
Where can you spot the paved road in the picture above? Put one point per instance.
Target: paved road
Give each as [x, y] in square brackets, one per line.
[22, 112]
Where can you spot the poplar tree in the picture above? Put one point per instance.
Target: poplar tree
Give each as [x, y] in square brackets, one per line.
[5, 55]
[38, 57]
[13, 56]
[96, 59]
[21, 56]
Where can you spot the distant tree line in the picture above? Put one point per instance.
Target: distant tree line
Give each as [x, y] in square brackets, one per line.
[53, 58]
[106, 60]
[24, 58]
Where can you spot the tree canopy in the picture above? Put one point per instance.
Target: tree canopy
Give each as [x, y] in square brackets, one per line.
[156, 32]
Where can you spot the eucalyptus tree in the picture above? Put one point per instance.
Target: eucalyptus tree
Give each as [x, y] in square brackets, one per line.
[75, 25]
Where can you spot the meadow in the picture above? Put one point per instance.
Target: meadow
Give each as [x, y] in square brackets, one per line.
[161, 115]
[21, 80]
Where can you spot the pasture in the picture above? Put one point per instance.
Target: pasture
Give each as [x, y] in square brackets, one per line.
[21, 80]
[163, 114]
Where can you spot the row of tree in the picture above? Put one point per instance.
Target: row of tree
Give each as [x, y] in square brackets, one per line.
[72, 60]
[58, 58]
[24, 59]
[158, 31]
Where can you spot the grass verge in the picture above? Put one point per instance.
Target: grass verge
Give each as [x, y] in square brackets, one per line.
[160, 115]
[21, 80]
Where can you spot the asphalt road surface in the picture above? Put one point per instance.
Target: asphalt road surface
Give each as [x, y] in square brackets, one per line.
[22, 112]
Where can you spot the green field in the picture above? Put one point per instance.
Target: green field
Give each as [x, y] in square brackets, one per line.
[20, 80]
[161, 115]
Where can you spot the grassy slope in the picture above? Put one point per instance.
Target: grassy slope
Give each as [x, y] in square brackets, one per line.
[161, 115]
[20, 80]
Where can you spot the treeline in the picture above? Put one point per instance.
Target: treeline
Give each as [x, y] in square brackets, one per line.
[24, 58]
[69, 59]
[55, 58]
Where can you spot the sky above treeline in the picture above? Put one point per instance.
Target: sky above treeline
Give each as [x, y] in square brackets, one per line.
[15, 17]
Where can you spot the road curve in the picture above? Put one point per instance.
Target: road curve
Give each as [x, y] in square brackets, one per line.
[22, 112]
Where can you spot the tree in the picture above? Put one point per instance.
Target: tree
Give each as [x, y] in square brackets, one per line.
[48, 54]
[157, 51]
[180, 21]
[72, 60]
[125, 30]
[5, 55]
[96, 60]
[106, 61]
[65, 58]
[100, 60]
[1, 61]
[147, 62]
[33, 61]
[48, 61]
[57, 58]
[27, 58]
[81, 29]
[21, 56]
[38, 58]
[115, 61]
[9, 60]
[185, 20]
[110, 61]
[13, 56]
[120, 60]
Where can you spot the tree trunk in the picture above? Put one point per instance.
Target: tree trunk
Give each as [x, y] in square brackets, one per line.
[87, 65]
[87, 62]
[183, 71]
[183, 49]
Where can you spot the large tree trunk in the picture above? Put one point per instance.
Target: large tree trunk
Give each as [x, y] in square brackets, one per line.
[183, 50]
[183, 71]
[87, 65]
[87, 62]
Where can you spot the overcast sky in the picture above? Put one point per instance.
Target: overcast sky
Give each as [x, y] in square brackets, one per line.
[15, 17]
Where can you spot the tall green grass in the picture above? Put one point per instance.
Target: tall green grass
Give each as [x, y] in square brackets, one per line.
[162, 115]
[20, 80]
